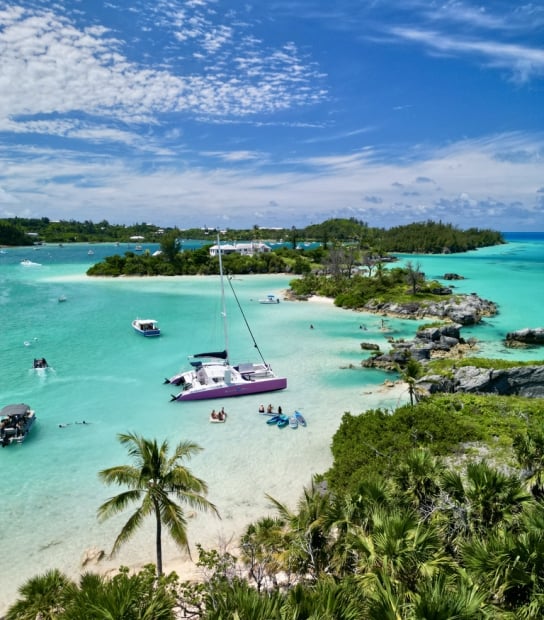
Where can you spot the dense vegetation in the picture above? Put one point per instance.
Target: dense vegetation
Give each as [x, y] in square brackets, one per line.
[423, 237]
[435, 510]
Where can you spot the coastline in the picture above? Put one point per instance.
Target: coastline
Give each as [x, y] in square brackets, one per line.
[310, 359]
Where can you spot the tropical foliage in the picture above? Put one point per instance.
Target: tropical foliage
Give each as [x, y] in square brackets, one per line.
[431, 511]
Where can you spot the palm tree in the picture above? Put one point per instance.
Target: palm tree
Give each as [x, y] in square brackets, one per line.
[132, 597]
[306, 536]
[262, 545]
[482, 499]
[410, 373]
[154, 477]
[44, 596]
[417, 477]
[401, 546]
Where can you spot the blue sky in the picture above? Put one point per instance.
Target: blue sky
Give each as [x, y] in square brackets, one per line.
[273, 113]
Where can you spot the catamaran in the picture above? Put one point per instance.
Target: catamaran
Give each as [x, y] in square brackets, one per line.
[212, 375]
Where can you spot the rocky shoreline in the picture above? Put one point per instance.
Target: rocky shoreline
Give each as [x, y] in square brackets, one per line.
[446, 341]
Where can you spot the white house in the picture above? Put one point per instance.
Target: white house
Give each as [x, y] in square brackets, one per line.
[246, 249]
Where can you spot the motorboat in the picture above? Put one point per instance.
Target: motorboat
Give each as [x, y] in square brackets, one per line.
[213, 375]
[62, 298]
[40, 362]
[28, 263]
[146, 327]
[15, 423]
[269, 299]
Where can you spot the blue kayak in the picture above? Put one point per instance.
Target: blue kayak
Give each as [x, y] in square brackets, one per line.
[300, 418]
[273, 419]
[283, 420]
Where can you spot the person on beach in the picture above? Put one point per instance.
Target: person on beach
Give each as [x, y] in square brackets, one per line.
[261, 408]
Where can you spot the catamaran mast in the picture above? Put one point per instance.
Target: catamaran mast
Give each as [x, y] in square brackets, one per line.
[223, 303]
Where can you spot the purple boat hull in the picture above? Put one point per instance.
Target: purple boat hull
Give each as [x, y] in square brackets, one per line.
[238, 389]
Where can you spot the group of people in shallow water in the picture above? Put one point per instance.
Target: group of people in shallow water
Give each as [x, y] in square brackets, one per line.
[269, 409]
[220, 416]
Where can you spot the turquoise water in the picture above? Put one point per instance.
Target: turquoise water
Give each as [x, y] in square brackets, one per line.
[104, 373]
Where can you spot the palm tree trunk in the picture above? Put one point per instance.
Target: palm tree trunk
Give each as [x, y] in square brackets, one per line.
[158, 539]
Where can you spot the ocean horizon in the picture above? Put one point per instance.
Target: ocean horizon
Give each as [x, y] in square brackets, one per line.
[111, 378]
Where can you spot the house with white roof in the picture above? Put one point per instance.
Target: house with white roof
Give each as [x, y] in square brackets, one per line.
[246, 249]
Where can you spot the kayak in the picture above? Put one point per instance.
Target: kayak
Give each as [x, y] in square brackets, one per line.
[300, 418]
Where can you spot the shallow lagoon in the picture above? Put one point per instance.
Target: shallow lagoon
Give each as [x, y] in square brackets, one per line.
[104, 373]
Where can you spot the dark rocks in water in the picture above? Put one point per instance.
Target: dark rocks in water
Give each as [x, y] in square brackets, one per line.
[421, 348]
[525, 337]
[453, 276]
[370, 346]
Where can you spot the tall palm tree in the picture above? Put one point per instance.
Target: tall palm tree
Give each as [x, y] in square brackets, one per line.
[151, 480]
[44, 596]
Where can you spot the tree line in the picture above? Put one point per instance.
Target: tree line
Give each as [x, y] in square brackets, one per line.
[419, 237]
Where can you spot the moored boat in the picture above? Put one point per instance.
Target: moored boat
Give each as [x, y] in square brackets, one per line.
[15, 423]
[269, 299]
[146, 327]
[212, 375]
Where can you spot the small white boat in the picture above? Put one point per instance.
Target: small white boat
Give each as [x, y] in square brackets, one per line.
[28, 263]
[146, 327]
[269, 299]
[15, 423]
[90, 252]
[62, 298]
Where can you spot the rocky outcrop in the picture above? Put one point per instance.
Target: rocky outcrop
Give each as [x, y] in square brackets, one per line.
[453, 276]
[525, 381]
[370, 346]
[427, 343]
[461, 309]
[525, 337]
